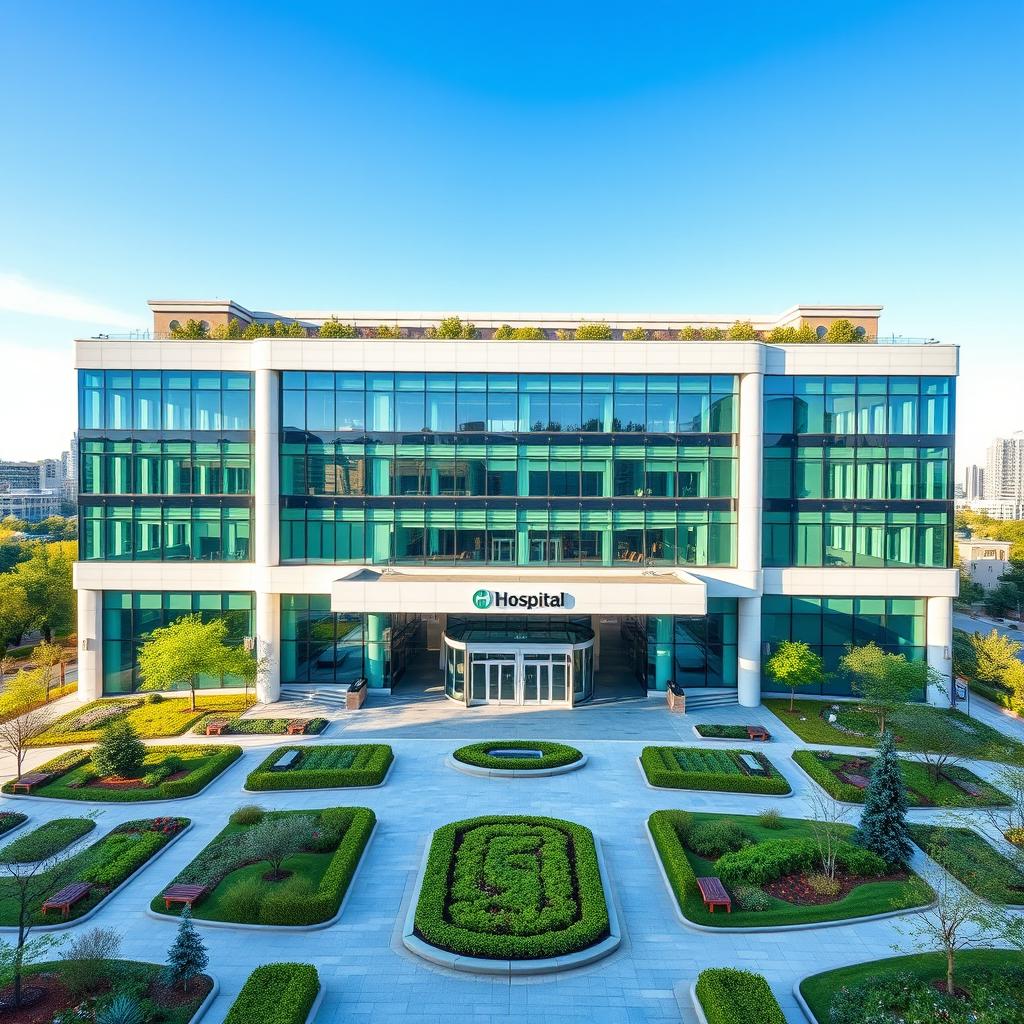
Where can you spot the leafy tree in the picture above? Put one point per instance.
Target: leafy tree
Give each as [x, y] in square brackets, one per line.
[802, 335]
[885, 681]
[387, 331]
[827, 824]
[47, 657]
[452, 328]
[970, 592]
[883, 825]
[334, 328]
[794, 664]
[15, 613]
[190, 330]
[842, 332]
[1004, 599]
[187, 958]
[691, 334]
[741, 330]
[965, 660]
[712, 333]
[46, 579]
[278, 329]
[185, 650]
[230, 331]
[994, 656]
[273, 840]
[635, 334]
[594, 331]
[119, 752]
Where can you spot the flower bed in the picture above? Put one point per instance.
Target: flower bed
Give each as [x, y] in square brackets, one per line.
[262, 726]
[324, 848]
[720, 770]
[46, 841]
[104, 864]
[324, 766]
[276, 994]
[722, 732]
[553, 755]
[757, 862]
[517, 888]
[828, 769]
[907, 989]
[973, 861]
[729, 996]
[169, 716]
[10, 820]
[170, 773]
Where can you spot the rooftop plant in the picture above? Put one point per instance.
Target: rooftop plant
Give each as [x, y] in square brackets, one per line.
[334, 328]
[387, 331]
[596, 331]
[802, 335]
[508, 333]
[190, 330]
[712, 333]
[742, 330]
[452, 328]
[226, 332]
[278, 329]
[635, 334]
[842, 332]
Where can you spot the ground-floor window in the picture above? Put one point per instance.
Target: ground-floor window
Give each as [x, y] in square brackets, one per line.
[692, 650]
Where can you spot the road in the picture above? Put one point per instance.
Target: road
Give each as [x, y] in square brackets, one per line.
[983, 624]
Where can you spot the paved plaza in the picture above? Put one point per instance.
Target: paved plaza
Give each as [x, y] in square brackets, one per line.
[369, 977]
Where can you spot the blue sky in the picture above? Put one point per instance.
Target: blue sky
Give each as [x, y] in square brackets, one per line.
[581, 156]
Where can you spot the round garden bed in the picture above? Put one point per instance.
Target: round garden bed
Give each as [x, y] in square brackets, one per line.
[512, 895]
[516, 759]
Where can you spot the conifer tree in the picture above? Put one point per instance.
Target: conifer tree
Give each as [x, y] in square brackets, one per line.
[187, 958]
[120, 751]
[883, 825]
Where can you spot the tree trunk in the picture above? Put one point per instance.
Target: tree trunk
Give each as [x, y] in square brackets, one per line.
[192, 694]
[792, 699]
[950, 987]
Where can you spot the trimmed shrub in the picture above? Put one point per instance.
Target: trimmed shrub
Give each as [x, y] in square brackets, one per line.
[770, 818]
[729, 996]
[276, 994]
[770, 859]
[712, 839]
[247, 814]
[241, 900]
[668, 829]
[635, 334]
[741, 330]
[49, 839]
[597, 331]
[369, 765]
[555, 755]
[334, 328]
[120, 752]
[722, 732]
[721, 773]
[452, 328]
[749, 897]
[283, 904]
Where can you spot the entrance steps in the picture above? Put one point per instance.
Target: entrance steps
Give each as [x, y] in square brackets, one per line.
[331, 696]
[711, 697]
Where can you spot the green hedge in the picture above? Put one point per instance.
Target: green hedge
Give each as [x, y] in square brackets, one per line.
[555, 755]
[665, 827]
[73, 770]
[10, 820]
[49, 839]
[825, 777]
[663, 770]
[567, 887]
[729, 996]
[996, 694]
[770, 859]
[371, 764]
[262, 726]
[723, 732]
[276, 994]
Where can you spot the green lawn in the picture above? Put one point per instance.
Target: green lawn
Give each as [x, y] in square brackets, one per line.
[922, 790]
[683, 866]
[170, 717]
[819, 989]
[973, 861]
[707, 768]
[912, 726]
[46, 841]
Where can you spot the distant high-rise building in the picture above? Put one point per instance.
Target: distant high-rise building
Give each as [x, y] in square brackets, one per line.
[1004, 468]
[19, 476]
[974, 483]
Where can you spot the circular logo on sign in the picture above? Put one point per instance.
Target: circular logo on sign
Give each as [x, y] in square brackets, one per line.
[482, 599]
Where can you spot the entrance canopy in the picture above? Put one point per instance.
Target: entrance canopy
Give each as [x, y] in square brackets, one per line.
[522, 592]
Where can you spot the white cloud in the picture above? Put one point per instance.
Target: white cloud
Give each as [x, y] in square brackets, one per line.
[20, 295]
[37, 401]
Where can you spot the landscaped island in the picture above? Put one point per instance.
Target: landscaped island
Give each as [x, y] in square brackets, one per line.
[273, 867]
[517, 755]
[730, 771]
[512, 888]
[276, 994]
[973, 861]
[46, 841]
[323, 766]
[845, 777]
[772, 871]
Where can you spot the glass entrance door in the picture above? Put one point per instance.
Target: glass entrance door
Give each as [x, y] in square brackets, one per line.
[536, 681]
[523, 677]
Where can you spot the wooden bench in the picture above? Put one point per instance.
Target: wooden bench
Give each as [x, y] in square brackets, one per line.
[26, 782]
[217, 726]
[186, 894]
[860, 781]
[970, 788]
[67, 898]
[297, 726]
[714, 895]
[752, 764]
[757, 732]
[285, 761]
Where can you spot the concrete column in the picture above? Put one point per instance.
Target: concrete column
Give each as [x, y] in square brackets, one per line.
[748, 650]
[375, 659]
[748, 553]
[268, 645]
[90, 645]
[939, 626]
[267, 528]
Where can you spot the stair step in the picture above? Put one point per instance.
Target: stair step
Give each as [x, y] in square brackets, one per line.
[332, 695]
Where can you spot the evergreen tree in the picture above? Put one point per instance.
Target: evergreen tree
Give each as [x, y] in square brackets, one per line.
[187, 957]
[883, 825]
[120, 751]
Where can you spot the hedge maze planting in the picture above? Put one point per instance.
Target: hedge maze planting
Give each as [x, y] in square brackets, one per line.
[323, 766]
[512, 888]
[553, 755]
[727, 771]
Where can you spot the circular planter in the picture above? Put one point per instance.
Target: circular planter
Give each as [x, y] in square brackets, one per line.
[516, 759]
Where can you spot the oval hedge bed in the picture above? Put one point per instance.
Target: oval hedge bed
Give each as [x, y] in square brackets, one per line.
[321, 851]
[729, 996]
[46, 841]
[751, 853]
[170, 774]
[276, 994]
[512, 888]
[824, 767]
[553, 755]
[718, 770]
[324, 766]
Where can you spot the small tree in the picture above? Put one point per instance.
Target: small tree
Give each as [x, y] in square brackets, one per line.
[794, 664]
[884, 681]
[942, 744]
[185, 650]
[187, 958]
[119, 752]
[741, 330]
[994, 654]
[827, 822]
[47, 657]
[87, 960]
[335, 328]
[273, 840]
[15, 613]
[842, 332]
[190, 330]
[17, 733]
[883, 825]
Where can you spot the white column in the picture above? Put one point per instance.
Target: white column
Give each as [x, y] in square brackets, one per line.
[939, 627]
[90, 645]
[266, 529]
[748, 652]
[748, 553]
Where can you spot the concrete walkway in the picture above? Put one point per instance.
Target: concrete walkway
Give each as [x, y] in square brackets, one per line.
[371, 978]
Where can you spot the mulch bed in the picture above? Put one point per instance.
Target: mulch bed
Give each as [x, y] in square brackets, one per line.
[795, 889]
[117, 783]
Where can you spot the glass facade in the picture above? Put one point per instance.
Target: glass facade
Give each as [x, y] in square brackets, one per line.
[129, 616]
[701, 649]
[858, 471]
[521, 469]
[165, 465]
[831, 625]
